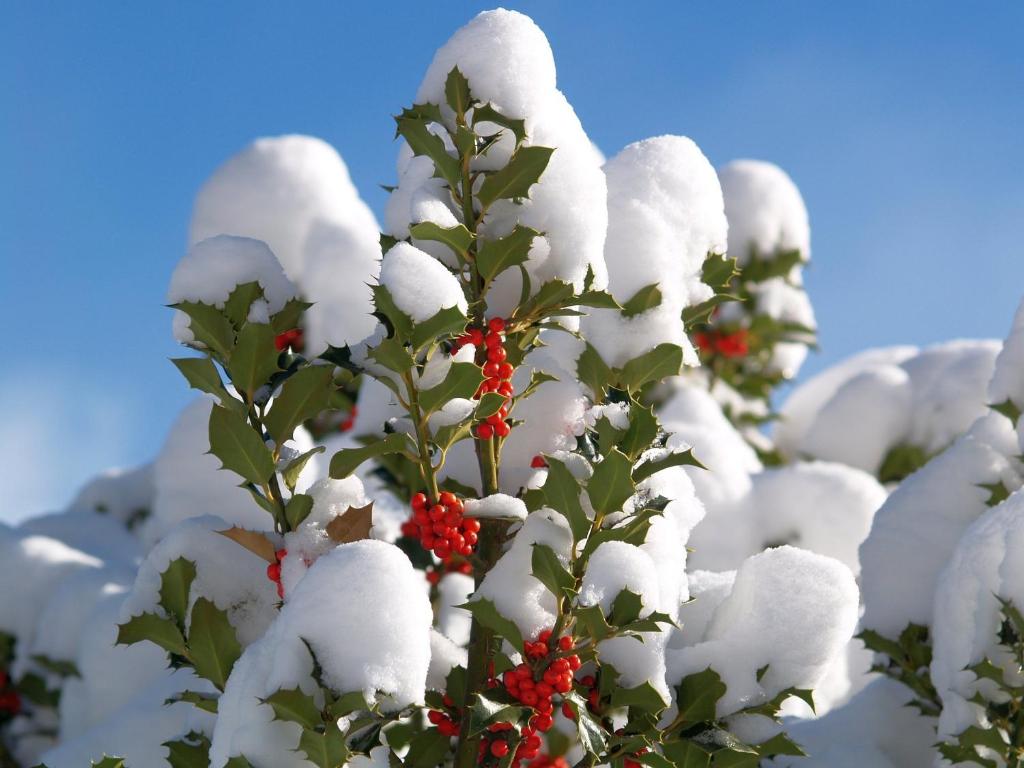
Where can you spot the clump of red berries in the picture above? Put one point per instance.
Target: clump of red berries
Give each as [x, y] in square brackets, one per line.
[535, 682]
[350, 420]
[293, 338]
[10, 699]
[736, 344]
[441, 527]
[450, 565]
[274, 570]
[446, 721]
[498, 372]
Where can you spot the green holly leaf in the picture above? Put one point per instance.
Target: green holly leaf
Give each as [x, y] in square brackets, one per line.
[294, 706]
[303, 396]
[58, 667]
[1008, 409]
[294, 467]
[626, 608]
[549, 571]
[448, 322]
[611, 484]
[562, 491]
[155, 629]
[238, 446]
[254, 359]
[642, 431]
[490, 708]
[412, 126]
[490, 404]
[392, 354]
[646, 298]
[201, 374]
[661, 362]
[207, 702]
[427, 749]
[210, 328]
[325, 750]
[385, 308]
[175, 587]
[697, 695]
[237, 307]
[345, 461]
[462, 380]
[495, 256]
[298, 508]
[487, 113]
[456, 92]
[593, 372]
[238, 761]
[458, 238]
[513, 182]
[190, 752]
[673, 459]
[109, 762]
[643, 697]
[592, 736]
[485, 612]
[213, 645]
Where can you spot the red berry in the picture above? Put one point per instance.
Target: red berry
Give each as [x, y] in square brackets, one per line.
[565, 643]
[496, 324]
[491, 369]
[274, 571]
[492, 340]
[476, 336]
[471, 525]
[281, 554]
[499, 748]
[502, 429]
[505, 388]
[419, 500]
[485, 431]
[543, 722]
[505, 371]
[567, 711]
[435, 717]
[447, 498]
[537, 462]
[496, 354]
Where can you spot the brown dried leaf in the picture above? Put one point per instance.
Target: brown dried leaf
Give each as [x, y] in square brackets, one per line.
[353, 525]
[257, 543]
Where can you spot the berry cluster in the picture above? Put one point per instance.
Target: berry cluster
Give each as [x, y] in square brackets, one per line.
[292, 338]
[449, 565]
[441, 527]
[447, 722]
[10, 699]
[734, 344]
[534, 683]
[350, 420]
[274, 571]
[498, 374]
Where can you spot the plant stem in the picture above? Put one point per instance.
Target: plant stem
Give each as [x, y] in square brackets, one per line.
[422, 438]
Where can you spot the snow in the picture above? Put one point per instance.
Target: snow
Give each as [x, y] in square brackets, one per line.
[780, 300]
[419, 284]
[229, 575]
[665, 214]
[120, 493]
[509, 63]
[294, 193]
[454, 590]
[94, 533]
[499, 505]
[789, 609]
[363, 610]
[764, 209]
[876, 728]
[823, 507]
[916, 530]
[616, 566]
[510, 584]
[214, 267]
[444, 654]
[331, 498]
[861, 408]
[988, 562]
[1007, 378]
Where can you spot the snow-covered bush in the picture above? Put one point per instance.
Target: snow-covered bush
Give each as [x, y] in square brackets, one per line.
[489, 489]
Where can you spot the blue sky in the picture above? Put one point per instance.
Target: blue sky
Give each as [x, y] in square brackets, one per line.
[900, 122]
